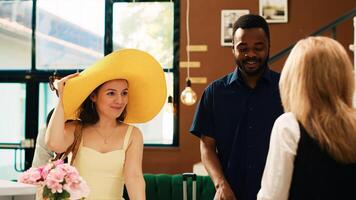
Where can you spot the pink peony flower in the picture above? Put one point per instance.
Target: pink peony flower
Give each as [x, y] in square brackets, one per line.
[31, 176]
[55, 179]
[77, 190]
[45, 170]
[58, 162]
[75, 185]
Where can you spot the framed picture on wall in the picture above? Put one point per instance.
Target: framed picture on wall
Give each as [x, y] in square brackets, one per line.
[274, 11]
[228, 18]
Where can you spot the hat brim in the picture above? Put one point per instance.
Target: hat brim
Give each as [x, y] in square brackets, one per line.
[145, 76]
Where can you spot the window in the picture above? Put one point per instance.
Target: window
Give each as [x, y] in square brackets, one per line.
[15, 34]
[12, 126]
[47, 101]
[149, 26]
[69, 35]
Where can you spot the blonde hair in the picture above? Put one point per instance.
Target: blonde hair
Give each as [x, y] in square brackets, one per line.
[317, 85]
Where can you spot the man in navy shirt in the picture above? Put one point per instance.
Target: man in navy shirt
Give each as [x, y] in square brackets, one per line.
[236, 113]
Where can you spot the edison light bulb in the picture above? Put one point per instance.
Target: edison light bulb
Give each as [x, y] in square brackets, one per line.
[188, 96]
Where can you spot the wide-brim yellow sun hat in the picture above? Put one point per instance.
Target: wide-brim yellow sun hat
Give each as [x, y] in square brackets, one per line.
[146, 83]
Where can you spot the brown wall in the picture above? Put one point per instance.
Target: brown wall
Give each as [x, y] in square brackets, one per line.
[304, 17]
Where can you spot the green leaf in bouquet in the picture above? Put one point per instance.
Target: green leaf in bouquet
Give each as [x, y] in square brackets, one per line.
[47, 193]
[63, 195]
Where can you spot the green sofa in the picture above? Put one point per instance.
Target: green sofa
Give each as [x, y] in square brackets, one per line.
[170, 187]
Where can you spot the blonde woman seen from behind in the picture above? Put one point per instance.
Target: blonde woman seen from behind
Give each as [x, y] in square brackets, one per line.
[312, 152]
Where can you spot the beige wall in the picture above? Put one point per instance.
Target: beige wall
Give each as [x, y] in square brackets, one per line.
[303, 19]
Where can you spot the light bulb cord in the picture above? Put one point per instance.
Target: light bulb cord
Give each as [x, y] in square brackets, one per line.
[188, 38]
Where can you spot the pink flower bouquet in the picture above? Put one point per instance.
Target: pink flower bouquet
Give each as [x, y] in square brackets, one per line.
[58, 181]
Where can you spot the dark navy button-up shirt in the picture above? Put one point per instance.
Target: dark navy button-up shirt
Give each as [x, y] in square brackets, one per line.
[240, 119]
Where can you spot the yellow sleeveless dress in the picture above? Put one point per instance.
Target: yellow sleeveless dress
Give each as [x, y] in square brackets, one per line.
[103, 172]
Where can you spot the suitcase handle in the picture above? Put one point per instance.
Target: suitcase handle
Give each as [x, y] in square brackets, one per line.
[186, 176]
[189, 175]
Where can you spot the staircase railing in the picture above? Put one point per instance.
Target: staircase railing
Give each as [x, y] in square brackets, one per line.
[331, 26]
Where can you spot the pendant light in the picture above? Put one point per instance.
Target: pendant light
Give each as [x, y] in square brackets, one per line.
[188, 96]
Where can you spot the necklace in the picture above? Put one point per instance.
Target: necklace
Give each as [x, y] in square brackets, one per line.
[106, 138]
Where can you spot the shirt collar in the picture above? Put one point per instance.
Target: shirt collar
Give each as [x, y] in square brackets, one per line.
[237, 76]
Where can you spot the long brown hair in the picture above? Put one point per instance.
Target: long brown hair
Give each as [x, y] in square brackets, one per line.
[317, 85]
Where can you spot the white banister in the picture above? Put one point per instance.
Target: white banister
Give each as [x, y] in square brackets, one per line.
[353, 48]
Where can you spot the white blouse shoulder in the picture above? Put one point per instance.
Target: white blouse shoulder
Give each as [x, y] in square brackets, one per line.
[279, 167]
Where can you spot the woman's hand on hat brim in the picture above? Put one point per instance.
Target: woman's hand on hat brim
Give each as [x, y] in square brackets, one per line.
[59, 84]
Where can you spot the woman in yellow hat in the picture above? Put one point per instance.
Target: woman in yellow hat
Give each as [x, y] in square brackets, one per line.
[127, 86]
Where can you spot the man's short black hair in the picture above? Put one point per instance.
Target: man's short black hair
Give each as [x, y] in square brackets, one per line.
[251, 21]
